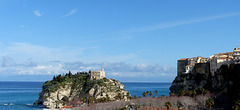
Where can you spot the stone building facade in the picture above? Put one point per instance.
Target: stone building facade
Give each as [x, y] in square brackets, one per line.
[181, 65]
[186, 65]
[236, 55]
[97, 74]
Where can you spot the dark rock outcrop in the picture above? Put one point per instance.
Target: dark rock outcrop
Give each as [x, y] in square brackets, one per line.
[225, 80]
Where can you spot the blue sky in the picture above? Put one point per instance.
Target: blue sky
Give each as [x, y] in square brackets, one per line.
[134, 40]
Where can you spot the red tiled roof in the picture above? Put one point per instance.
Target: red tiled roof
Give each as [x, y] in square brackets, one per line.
[223, 58]
[229, 53]
[183, 59]
[67, 106]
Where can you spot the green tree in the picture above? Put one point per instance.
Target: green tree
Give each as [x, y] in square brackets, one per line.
[209, 103]
[182, 92]
[147, 92]
[180, 105]
[83, 100]
[206, 91]
[108, 98]
[150, 94]
[168, 105]
[156, 91]
[119, 96]
[54, 78]
[202, 90]
[144, 94]
[237, 105]
[194, 93]
[172, 94]
[128, 95]
[190, 93]
[90, 99]
[135, 96]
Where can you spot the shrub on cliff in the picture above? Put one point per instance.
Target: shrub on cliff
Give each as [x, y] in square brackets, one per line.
[209, 102]
[172, 94]
[237, 105]
[182, 92]
[168, 105]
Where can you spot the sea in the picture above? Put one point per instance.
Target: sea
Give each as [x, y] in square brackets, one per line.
[22, 95]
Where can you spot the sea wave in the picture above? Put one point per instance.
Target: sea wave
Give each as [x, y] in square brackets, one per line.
[8, 104]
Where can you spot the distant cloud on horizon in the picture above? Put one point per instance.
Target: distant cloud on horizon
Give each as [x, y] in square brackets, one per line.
[73, 11]
[9, 62]
[54, 61]
[114, 69]
[37, 13]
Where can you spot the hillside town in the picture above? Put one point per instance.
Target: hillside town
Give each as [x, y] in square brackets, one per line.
[208, 65]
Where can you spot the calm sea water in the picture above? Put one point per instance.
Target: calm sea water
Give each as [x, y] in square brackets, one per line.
[21, 95]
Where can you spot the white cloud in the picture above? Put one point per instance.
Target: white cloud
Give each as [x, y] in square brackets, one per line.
[42, 70]
[73, 11]
[115, 69]
[37, 13]
[29, 59]
[122, 69]
[9, 62]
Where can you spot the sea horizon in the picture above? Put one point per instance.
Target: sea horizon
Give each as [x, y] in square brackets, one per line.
[120, 81]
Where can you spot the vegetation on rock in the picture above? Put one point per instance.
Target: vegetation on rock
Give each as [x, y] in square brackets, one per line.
[75, 89]
[210, 102]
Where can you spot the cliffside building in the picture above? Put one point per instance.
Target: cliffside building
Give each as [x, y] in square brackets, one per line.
[186, 65]
[181, 65]
[236, 55]
[97, 74]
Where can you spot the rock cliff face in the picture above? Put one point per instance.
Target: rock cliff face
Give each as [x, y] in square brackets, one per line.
[225, 80]
[76, 89]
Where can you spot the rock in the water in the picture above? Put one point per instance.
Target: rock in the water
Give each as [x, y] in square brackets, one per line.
[78, 88]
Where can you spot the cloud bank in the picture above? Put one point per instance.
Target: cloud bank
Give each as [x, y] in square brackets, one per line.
[113, 69]
[33, 60]
[37, 13]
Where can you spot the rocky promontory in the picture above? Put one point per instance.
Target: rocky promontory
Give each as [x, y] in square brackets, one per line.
[224, 80]
[77, 89]
[224, 84]
[218, 75]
